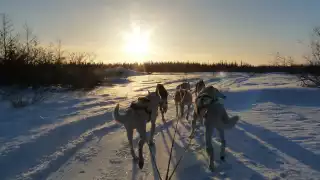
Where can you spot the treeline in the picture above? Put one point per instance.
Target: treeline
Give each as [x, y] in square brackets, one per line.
[214, 67]
[23, 62]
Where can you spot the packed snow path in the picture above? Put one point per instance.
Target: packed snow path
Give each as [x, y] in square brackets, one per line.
[73, 135]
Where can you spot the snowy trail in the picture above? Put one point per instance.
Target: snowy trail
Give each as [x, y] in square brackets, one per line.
[73, 136]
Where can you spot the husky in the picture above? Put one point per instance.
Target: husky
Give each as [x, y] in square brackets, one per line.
[184, 85]
[205, 97]
[140, 112]
[182, 97]
[163, 107]
[208, 106]
[199, 86]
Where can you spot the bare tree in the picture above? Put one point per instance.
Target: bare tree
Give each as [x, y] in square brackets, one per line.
[81, 57]
[30, 46]
[310, 77]
[59, 53]
[5, 35]
[282, 60]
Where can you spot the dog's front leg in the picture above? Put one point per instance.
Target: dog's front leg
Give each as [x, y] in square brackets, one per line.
[201, 120]
[188, 111]
[162, 115]
[143, 137]
[130, 138]
[209, 147]
[153, 127]
[181, 109]
[177, 109]
[162, 112]
[223, 144]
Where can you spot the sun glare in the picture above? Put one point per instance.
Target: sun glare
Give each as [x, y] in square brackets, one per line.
[137, 41]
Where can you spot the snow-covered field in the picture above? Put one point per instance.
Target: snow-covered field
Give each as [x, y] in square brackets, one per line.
[73, 135]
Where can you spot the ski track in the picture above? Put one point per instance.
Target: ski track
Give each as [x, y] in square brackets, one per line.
[73, 135]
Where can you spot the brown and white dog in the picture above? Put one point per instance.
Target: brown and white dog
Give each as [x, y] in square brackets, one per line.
[183, 97]
[184, 85]
[140, 112]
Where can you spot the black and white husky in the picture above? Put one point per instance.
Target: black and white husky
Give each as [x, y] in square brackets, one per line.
[140, 112]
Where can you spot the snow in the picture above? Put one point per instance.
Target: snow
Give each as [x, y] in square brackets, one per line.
[72, 135]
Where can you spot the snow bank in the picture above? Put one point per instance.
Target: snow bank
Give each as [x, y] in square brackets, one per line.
[119, 75]
[121, 72]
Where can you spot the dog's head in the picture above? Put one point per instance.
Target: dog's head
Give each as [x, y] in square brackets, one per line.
[200, 81]
[200, 85]
[161, 91]
[184, 85]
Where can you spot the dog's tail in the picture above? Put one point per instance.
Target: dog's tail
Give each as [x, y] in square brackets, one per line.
[231, 122]
[234, 119]
[117, 116]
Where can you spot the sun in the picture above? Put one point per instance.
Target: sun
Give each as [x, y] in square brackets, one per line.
[137, 41]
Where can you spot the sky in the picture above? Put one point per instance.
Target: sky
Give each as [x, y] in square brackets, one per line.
[251, 31]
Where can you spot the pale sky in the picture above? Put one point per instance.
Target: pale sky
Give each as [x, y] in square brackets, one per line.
[191, 30]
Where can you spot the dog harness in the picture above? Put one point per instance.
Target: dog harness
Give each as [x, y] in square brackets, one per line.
[206, 104]
[201, 104]
[136, 106]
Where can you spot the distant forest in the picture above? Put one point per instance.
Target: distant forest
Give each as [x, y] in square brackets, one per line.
[214, 67]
